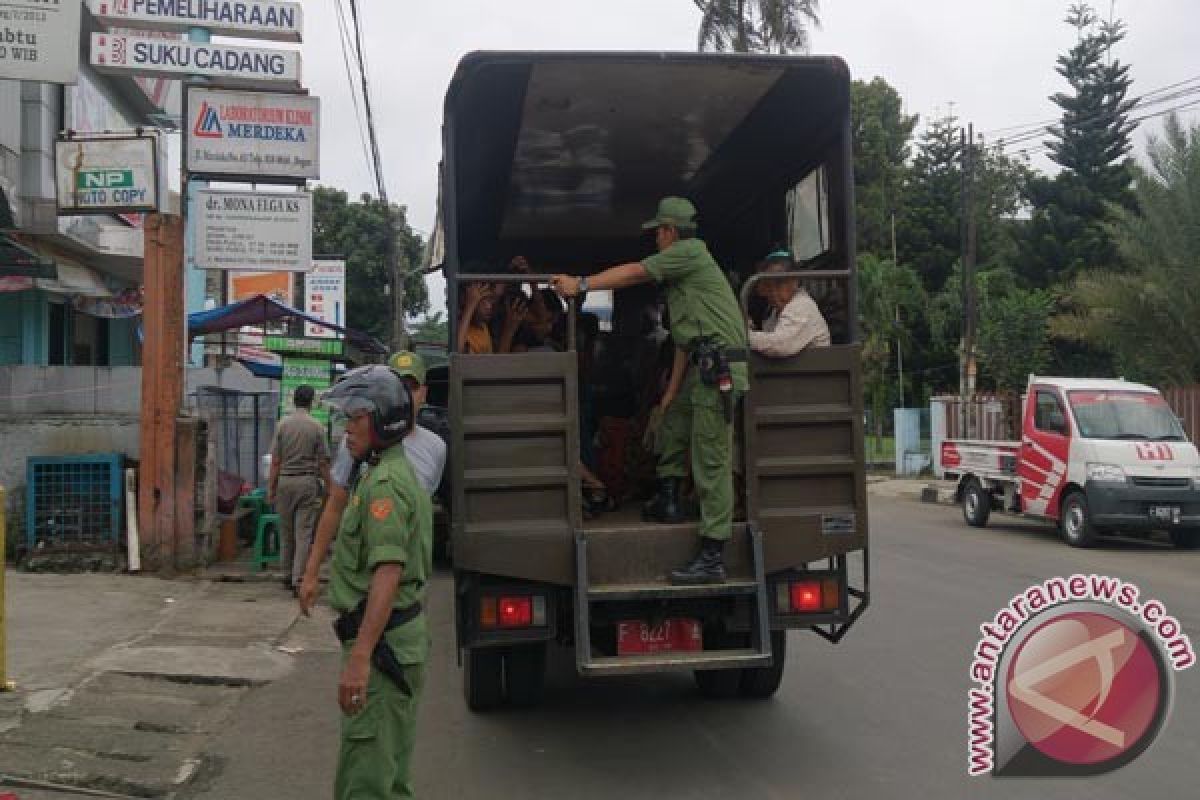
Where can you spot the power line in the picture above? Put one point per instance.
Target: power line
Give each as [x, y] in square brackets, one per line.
[344, 40]
[1045, 148]
[366, 92]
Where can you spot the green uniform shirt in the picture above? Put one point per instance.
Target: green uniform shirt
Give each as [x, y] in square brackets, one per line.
[700, 299]
[389, 520]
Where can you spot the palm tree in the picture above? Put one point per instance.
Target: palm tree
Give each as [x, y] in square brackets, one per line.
[756, 26]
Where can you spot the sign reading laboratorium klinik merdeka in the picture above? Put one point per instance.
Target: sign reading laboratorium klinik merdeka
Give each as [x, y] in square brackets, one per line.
[262, 231]
[173, 58]
[253, 19]
[250, 135]
[106, 174]
[39, 40]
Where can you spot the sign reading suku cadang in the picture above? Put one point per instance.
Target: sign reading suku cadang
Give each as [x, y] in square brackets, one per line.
[173, 58]
[254, 19]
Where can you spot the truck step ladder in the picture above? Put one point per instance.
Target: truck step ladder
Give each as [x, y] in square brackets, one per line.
[588, 595]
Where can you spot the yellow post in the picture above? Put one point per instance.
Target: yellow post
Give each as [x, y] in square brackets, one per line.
[5, 684]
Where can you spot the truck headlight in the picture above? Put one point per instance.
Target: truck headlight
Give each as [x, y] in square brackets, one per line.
[1105, 473]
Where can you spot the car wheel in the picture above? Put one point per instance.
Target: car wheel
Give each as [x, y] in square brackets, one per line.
[1077, 528]
[976, 504]
[483, 685]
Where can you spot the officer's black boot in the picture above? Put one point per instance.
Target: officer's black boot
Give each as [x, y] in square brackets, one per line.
[707, 567]
[664, 506]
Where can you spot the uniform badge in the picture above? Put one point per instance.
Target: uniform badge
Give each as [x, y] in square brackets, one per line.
[381, 509]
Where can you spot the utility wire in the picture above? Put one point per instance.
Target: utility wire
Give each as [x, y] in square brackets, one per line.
[366, 91]
[347, 45]
[1037, 149]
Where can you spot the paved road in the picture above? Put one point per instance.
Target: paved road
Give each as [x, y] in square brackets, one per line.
[880, 716]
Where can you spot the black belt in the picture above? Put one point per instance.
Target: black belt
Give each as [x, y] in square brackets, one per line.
[297, 474]
[731, 354]
[383, 656]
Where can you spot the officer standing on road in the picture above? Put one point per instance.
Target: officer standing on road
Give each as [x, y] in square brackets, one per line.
[696, 412]
[299, 458]
[382, 561]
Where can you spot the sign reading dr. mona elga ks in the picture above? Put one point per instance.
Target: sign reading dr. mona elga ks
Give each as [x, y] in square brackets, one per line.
[262, 231]
[107, 174]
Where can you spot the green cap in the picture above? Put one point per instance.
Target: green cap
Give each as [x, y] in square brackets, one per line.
[408, 364]
[673, 211]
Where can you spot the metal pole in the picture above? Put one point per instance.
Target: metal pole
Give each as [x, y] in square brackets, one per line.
[5, 684]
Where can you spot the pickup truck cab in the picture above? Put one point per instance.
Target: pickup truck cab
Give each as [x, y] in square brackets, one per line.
[1095, 456]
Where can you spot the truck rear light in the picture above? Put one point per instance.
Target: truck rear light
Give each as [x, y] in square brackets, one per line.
[807, 595]
[515, 612]
[487, 612]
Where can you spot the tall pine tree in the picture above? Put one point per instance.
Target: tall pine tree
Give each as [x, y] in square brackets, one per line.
[881, 132]
[929, 234]
[1068, 231]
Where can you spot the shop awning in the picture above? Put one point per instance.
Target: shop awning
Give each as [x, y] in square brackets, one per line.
[259, 310]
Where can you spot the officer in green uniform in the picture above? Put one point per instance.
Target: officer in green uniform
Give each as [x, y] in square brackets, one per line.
[382, 560]
[707, 377]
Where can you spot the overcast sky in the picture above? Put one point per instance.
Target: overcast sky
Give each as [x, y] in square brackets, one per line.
[994, 61]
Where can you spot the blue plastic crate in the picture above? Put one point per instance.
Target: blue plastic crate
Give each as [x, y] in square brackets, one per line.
[74, 501]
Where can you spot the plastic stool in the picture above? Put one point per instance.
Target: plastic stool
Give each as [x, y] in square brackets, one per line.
[261, 555]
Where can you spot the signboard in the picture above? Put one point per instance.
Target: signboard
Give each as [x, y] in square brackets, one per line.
[252, 134]
[174, 58]
[253, 230]
[243, 286]
[300, 346]
[325, 297]
[299, 371]
[107, 175]
[248, 18]
[39, 40]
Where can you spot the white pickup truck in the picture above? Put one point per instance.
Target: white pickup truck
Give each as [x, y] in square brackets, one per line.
[1095, 456]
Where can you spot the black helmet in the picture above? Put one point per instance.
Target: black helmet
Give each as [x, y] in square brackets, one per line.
[379, 391]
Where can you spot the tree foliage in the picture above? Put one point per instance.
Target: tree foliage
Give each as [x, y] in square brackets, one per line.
[890, 296]
[1145, 314]
[882, 133]
[358, 231]
[1069, 230]
[756, 26]
[930, 233]
[431, 329]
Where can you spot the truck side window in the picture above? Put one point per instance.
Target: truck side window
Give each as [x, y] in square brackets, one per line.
[1049, 415]
[808, 216]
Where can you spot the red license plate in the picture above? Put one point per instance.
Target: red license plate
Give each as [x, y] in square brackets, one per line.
[673, 635]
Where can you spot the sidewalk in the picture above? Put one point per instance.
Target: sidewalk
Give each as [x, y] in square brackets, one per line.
[927, 490]
[123, 680]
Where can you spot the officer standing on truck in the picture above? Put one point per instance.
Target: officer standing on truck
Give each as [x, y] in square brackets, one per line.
[707, 377]
[382, 561]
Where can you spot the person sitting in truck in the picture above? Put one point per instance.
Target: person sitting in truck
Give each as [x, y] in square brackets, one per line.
[476, 310]
[795, 322]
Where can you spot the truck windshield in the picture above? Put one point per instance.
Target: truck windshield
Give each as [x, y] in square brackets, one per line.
[1139, 416]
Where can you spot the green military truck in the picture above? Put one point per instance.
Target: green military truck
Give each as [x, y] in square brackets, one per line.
[559, 157]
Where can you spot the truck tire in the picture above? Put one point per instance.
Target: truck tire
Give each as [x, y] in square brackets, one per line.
[1077, 528]
[976, 503]
[719, 684]
[483, 685]
[1186, 539]
[525, 674]
[762, 682]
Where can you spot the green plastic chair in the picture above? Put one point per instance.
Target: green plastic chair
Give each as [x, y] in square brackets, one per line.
[264, 553]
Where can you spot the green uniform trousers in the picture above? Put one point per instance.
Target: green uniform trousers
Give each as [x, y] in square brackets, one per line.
[377, 742]
[696, 422]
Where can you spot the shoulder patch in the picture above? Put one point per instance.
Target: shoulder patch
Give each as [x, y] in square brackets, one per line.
[382, 508]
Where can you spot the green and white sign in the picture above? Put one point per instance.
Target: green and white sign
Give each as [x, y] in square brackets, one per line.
[108, 174]
[300, 346]
[297, 372]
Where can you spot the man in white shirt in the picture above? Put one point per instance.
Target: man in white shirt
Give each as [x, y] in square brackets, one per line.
[425, 450]
[795, 322]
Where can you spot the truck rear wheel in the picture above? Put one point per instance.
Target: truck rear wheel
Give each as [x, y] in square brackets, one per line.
[483, 685]
[525, 674]
[1077, 528]
[976, 504]
[762, 682]
[1187, 539]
